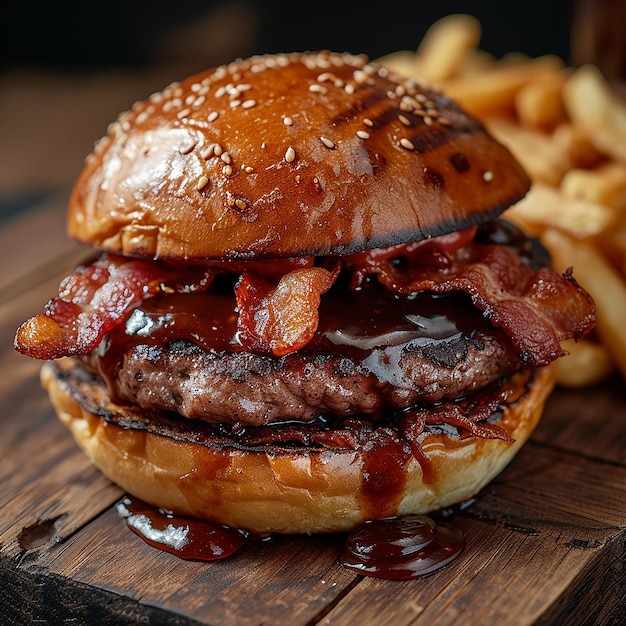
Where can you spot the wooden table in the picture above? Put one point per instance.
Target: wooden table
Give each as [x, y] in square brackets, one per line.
[546, 542]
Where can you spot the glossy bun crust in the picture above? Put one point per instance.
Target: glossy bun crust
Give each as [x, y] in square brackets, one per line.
[289, 155]
[274, 489]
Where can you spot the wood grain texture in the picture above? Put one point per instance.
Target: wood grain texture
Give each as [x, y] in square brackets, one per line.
[545, 541]
[584, 421]
[33, 245]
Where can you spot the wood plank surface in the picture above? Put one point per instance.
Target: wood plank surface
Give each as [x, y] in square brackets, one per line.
[546, 540]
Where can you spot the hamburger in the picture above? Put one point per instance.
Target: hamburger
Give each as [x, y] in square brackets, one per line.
[304, 310]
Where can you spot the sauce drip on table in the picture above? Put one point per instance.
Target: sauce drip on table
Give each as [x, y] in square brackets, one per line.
[395, 548]
[187, 538]
[402, 548]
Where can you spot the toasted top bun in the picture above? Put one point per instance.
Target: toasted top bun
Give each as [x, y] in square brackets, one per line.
[300, 154]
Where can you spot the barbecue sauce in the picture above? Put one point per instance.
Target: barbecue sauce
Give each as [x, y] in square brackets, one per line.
[350, 323]
[188, 538]
[395, 548]
[371, 328]
[401, 548]
[367, 325]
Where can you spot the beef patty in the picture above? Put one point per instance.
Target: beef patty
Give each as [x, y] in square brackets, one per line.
[246, 388]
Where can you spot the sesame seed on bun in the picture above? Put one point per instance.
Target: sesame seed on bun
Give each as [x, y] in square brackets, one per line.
[209, 168]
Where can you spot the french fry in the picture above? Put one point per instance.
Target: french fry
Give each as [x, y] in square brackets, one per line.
[578, 150]
[567, 127]
[605, 285]
[446, 46]
[605, 184]
[545, 207]
[538, 154]
[477, 61]
[612, 242]
[403, 62]
[587, 363]
[539, 103]
[493, 90]
[597, 110]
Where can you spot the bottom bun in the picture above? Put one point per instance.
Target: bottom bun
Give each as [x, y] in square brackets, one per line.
[285, 488]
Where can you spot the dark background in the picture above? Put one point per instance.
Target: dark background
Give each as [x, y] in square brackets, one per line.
[87, 35]
[67, 68]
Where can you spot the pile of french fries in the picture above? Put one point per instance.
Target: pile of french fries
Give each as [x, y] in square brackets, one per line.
[567, 127]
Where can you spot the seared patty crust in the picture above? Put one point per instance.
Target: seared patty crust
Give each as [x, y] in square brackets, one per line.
[246, 388]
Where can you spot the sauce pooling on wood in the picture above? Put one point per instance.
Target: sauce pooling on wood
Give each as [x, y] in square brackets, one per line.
[393, 548]
[402, 548]
[185, 537]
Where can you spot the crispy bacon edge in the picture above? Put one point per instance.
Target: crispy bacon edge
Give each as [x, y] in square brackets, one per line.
[284, 318]
[94, 299]
[278, 301]
[536, 309]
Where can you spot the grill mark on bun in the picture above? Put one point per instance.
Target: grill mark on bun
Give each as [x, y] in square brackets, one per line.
[384, 118]
[429, 138]
[433, 178]
[366, 101]
[281, 121]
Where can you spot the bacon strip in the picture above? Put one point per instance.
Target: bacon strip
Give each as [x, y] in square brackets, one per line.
[278, 301]
[536, 309]
[436, 252]
[94, 299]
[284, 318]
